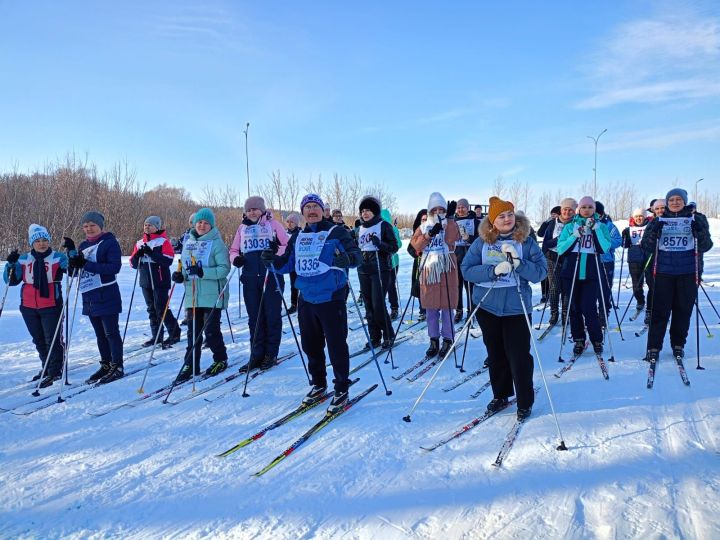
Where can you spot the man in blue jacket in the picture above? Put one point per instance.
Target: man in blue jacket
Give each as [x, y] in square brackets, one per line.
[320, 254]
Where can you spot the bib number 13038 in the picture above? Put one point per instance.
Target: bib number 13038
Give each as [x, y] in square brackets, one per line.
[252, 244]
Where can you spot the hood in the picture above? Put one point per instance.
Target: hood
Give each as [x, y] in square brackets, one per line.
[385, 214]
[490, 235]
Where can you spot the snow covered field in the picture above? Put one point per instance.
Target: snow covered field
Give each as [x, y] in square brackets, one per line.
[641, 463]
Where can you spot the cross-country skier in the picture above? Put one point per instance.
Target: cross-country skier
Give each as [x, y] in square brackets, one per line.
[205, 269]
[554, 214]
[152, 256]
[259, 231]
[420, 219]
[504, 236]
[583, 241]
[41, 303]
[293, 228]
[439, 276]
[320, 254]
[568, 206]
[632, 236]
[676, 239]
[468, 226]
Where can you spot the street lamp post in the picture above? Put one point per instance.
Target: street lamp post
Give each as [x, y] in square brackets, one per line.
[247, 161]
[595, 140]
[696, 183]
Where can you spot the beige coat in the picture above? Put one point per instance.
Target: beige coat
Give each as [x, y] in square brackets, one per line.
[435, 295]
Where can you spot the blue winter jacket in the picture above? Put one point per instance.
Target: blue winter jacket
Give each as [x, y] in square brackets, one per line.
[566, 244]
[635, 253]
[504, 301]
[103, 300]
[331, 284]
[677, 262]
[615, 240]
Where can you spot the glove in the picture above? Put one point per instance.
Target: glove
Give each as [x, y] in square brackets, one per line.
[145, 250]
[68, 244]
[509, 249]
[267, 256]
[435, 230]
[239, 261]
[135, 259]
[274, 246]
[341, 260]
[13, 256]
[465, 236]
[177, 277]
[77, 261]
[590, 223]
[451, 207]
[375, 240]
[195, 270]
[503, 268]
[577, 233]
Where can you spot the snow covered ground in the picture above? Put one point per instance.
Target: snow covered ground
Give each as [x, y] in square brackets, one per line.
[641, 463]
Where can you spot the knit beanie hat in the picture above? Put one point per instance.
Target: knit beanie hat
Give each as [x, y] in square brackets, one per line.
[36, 232]
[255, 202]
[436, 199]
[370, 203]
[155, 221]
[312, 198]
[94, 217]
[569, 202]
[677, 191]
[204, 214]
[463, 202]
[638, 212]
[587, 200]
[294, 217]
[497, 207]
[555, 210]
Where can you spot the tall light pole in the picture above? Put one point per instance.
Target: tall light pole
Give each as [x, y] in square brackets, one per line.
[696, 183]
[247, 161]
[595, 140]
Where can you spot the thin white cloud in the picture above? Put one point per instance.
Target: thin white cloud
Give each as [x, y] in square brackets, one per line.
[657, 139]
[674, 56]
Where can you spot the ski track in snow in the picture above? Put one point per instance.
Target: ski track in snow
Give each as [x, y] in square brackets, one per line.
[641, 463]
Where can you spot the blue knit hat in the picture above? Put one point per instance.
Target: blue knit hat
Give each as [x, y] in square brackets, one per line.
[95, 217]
[36, 232]
[312, 198]
[204, 214]
[677, 191]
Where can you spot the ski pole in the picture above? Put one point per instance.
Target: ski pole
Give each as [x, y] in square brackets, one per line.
[388, 328]
[7, 288]
[182, 301]
[132, 297]
[292, 326]
[542, 315]
[702, 318]
[570, 308]
[239, 295]
[602, 294]
[622, 263]
[625, 312]
[72, 327]
[447, 293]
[253, 333]
[697, 302]
[706, 296]
[232, 336]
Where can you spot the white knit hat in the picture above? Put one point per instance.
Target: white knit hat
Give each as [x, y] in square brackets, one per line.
[36, 232]
[436, 199]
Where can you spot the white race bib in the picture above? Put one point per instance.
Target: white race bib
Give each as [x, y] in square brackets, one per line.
[466, 226]
[365, 235]
[493, 254]
[559, 226]
[676, 234]
[636, 234]
[437, 243]
[89, 280]
[199, 250]
[308, 247]
[586, 242]
[257, 237]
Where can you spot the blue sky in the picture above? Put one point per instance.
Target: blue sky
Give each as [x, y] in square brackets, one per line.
[417, 96]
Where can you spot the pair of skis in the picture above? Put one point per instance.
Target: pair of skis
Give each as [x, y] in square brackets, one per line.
[681, 369]
[571, 362]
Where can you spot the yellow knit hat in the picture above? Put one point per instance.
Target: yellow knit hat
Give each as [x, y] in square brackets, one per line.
[497, 207]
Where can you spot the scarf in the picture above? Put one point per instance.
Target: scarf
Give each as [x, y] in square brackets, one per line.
[437, 262]
[40, 279]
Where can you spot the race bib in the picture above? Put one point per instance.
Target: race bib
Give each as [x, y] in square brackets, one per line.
[155, 242]
[366, 233]
[88, 280]
[585, 244]
[636, 234]
[257, 237]
[466, 226]
[676, 234]
[199, 250]
[559, 226]
[437, 243]
[308, 247]
[492, 254]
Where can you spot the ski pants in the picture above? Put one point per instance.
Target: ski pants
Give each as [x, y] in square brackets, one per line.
[460, 252]
[433, 323]
[213, 335]
[392, 289]
[373, 288]
[321, 324]
[638, 278]
[155, 300]
[607, 274]
[293, 290]
[42, 323]
[265, 329]
[556, 289]
[676, 295]
[507, 340]
[109, 341]
[583, 309]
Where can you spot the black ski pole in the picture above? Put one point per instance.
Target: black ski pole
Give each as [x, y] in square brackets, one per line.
[708, 298]
[292, 326]
[254, 333]
[132, 297]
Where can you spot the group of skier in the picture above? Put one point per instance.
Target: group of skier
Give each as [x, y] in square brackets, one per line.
[489, 261]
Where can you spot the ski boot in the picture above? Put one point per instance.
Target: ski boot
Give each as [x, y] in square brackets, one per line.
[597, 347]
[446, 344]
[338, 402]
[292, 309]
[394, 314]
[422, 316]
[554, 316]
[218, 366]
[497, 404]
[99, 374]
[254, 363]
[434, 347]
[48, 380]
[315, 393]
[458, 316]
[114, 373]
[652, 355]
[185, 374]
[678, 352]
[523, 413]
[579, 347]
[268, 362]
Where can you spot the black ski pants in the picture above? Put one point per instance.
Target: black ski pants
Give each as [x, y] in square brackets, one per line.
[392, 289]
[583, 309]
[373, 288]
[41, 323]
[638, 278]
[507, 340]
[213, 335]
[676, 295]
[555, 290]
[265, 331]
[321, 324]
[109, 341]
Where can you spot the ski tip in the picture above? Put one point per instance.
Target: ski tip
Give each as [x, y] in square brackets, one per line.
[406, 418]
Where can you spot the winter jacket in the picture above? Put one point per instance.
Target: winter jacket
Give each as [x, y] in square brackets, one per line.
[470, 225]
[677, 262]
[157, 263]
[329, 285]
[437, 286]
[388, 246]
[615, 240]
[550, 238]
[216, 267]
[105, 299]
[385, 214]
[22, 272]
[543, 227]
[504, 300]
[567, 243]
[250, 240]
[632, 237]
